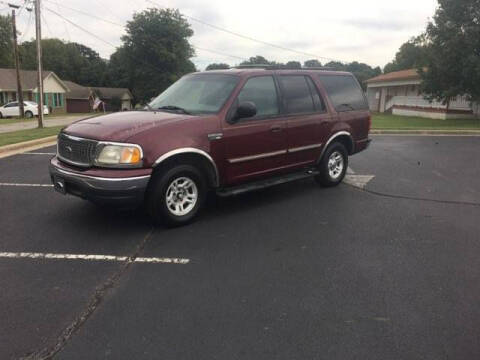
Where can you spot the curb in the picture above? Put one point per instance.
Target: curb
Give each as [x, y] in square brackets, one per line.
[21, 147]
[425, 132]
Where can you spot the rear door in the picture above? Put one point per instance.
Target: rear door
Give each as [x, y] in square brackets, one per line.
[256, 146]
[307, 119]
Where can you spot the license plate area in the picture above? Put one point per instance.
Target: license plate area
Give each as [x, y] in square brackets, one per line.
[59, 185]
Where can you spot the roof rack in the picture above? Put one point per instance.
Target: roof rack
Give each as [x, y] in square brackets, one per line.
[281, 67]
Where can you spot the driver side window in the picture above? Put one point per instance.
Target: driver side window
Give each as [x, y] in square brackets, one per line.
[261, 90]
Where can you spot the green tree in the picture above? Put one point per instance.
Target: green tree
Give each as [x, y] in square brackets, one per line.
[453, 51]
[6, 46]
[312, 63]
[293, 65]
[257, 60]
[411, 54]
[217, 66]
[70, 61]
[361, 71]
[154, 54]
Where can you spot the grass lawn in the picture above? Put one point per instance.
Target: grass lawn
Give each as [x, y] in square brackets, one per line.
[395, 122]
[30, 134]
[14, 120]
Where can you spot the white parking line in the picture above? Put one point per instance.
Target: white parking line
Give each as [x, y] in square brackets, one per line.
[49, 256]
[27, 185]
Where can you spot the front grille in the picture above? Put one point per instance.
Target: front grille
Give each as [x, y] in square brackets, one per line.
[76, 151]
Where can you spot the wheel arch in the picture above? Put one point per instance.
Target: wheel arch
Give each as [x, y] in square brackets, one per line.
[343, 137]
[194, 156]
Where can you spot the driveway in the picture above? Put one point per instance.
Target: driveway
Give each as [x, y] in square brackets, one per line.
[387, 268]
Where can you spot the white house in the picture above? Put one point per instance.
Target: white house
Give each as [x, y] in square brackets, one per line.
[399, 93]
[54, 89]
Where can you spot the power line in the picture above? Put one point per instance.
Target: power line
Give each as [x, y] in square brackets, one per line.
[249, 37]
[80, 27]
[219, 53]
[64, 22]
[27, 28]
[86, 14]
[117, 24]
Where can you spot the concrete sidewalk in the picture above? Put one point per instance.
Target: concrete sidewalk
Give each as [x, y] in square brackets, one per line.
[47, 122]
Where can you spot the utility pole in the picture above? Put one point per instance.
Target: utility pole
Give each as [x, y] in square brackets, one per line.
[38, 32]
[17, 62]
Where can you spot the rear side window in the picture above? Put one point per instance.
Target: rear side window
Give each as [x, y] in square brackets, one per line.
[344, 92]
[317, 100]
[262, 92]
[296, 93]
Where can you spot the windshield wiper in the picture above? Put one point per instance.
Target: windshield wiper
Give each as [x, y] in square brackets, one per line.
[174, 108]
[149, 107]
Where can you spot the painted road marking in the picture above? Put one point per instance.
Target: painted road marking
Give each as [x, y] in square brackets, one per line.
[27, 185]
[359, 181]
[49, 256]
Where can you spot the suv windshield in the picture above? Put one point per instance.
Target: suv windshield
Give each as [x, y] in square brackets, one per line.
[196, 94]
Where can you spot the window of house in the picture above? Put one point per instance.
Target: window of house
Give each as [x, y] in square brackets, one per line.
[262, 92]
[344, 92]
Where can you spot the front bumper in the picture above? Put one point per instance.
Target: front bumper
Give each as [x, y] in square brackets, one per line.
[129, 189]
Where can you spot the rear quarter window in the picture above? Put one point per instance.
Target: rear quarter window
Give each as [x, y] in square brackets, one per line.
[344, 92]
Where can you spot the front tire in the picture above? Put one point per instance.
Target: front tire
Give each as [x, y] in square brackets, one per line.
[175, 197]
[333, 165]
[28, 114]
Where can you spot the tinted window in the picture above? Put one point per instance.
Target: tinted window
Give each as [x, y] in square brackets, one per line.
[12, 104]
[317, 100]
[199, 93]
[344, 92]
[296, 93]
[262, 92]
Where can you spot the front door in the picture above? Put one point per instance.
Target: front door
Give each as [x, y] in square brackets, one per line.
[258, 145]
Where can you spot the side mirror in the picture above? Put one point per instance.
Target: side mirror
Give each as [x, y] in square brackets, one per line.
[245, 110]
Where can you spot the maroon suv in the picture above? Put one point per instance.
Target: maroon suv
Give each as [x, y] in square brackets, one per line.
[231, 131]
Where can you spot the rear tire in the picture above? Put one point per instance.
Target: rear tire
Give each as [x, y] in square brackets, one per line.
[333, 165]
[28, 114]
[1, 116]
[175, 196]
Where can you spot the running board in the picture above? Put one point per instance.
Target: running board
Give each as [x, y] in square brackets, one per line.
[261, 184]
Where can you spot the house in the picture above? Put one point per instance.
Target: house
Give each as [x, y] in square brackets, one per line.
[54, 89]
[399, 93]
[111, 95]
[79, 99]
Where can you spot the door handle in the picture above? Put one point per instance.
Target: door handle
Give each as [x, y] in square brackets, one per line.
[275, 129]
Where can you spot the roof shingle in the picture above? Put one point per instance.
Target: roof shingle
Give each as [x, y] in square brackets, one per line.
[8, 79]
[396, 75]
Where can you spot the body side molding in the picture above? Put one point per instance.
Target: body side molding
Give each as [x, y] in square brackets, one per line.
[333, 137]
[189, 150]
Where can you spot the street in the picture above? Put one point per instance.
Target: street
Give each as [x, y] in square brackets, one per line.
[389, 271]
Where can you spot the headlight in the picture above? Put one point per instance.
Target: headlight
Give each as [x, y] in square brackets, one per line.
[119, 155]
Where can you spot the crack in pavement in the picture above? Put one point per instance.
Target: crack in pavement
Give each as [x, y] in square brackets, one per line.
[405, 197]
[95, 301]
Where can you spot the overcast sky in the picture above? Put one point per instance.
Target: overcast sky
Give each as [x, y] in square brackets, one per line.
[368, 31]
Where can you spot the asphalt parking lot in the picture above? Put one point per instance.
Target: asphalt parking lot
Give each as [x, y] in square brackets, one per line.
[391, 271]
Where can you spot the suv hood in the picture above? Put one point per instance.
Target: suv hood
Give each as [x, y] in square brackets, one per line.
[118, 127]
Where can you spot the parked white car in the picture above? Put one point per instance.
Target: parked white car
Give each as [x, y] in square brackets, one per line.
[12, 109]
